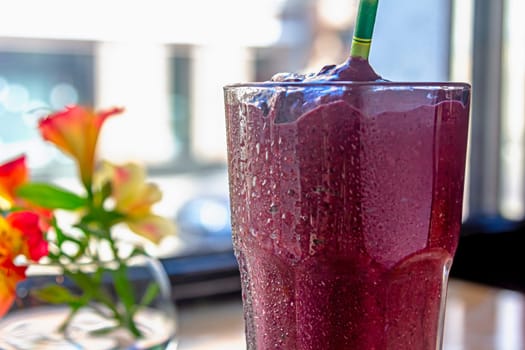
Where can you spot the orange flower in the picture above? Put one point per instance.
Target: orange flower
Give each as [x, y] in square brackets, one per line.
[12, 174]
[20, 234]
[10, 275]
[26, 224]
[134, 198]
[75, 131]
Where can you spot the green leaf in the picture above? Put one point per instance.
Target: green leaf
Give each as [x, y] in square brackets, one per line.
[92, 230]
[104, 331]
[123, 287]
[83, 281]
[62, 237]
[56, 294]
[91, 286]
[52, 256]
[50, 196]
[106, 191]
[137, 251]
[125, 292]
[98, 275]
[72, 312]
[98, 222]
[150, 294]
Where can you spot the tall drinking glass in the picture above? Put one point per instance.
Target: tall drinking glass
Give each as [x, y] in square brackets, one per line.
[346, 203]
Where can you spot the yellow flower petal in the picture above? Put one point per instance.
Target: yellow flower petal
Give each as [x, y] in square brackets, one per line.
[133, 196]
[152, 227]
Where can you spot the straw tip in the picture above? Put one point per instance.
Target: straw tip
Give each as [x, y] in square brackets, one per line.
[364, 28]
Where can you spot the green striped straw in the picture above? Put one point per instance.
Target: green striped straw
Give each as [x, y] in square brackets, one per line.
[364, 28]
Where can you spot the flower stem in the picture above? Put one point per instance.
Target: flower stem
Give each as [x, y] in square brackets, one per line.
[124, 291]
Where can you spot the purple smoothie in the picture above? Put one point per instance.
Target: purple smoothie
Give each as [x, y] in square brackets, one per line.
[346, 208]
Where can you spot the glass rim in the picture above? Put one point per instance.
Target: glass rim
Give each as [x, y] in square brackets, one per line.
[357, 84]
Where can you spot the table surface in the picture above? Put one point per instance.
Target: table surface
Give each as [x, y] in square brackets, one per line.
[477, 318]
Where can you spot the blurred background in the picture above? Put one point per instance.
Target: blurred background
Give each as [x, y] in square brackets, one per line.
[166, 63]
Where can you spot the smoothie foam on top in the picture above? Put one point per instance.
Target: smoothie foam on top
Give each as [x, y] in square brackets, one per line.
[353, 69]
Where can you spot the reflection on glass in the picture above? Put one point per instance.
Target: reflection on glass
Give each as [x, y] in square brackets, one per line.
[509, 321]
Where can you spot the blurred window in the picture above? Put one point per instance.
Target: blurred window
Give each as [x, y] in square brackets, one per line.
[32, 84]
[180, 64]
[169, 76]
[512, 185]
[488, 49]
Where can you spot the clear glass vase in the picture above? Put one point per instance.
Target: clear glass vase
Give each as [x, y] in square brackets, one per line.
[36, 325]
